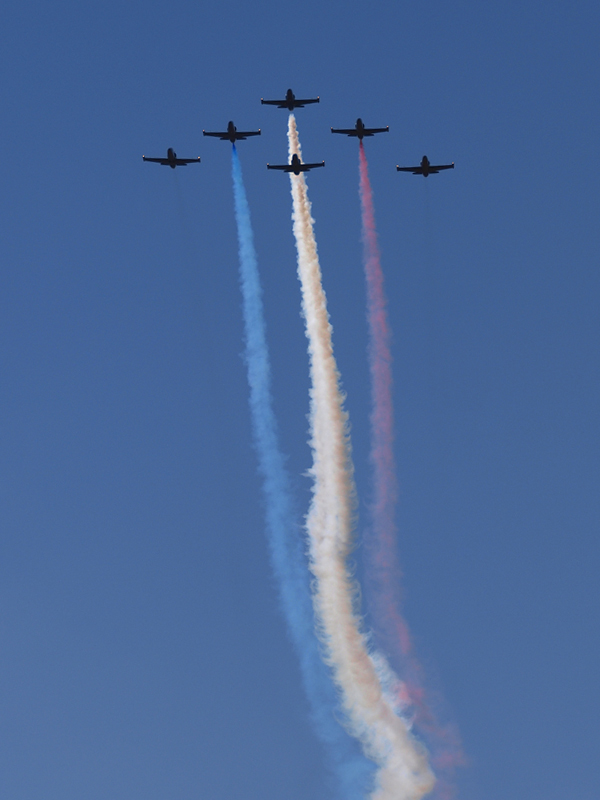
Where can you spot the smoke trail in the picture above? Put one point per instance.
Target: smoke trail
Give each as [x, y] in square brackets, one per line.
[383, 569]
[353, 770]
[371, 716]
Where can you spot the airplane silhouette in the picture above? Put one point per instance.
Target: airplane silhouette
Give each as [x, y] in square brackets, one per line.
[425, 168]
[172, 161]
[295, 166]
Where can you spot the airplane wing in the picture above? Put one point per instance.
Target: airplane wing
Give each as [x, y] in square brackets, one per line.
[284, 167]
[414, 170]
[163, 161]
[313, 166]
[371, 131]
[244, 134]
[347, 131]
[281, 103]
[220, 134]
[438, 167]
[308, 102]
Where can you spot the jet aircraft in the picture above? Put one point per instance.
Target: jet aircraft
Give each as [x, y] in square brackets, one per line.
[290, 101]
[360, 130]
[231, 133]
[295, 166]
[172, 161]
[425, 168]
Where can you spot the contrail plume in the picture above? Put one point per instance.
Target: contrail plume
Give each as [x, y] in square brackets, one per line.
[383, 569]
[403, 772]
[286, 542]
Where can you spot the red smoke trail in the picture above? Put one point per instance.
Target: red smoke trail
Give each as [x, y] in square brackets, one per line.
[383, 566]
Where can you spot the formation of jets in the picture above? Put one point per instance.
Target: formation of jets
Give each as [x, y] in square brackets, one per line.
[295, 165]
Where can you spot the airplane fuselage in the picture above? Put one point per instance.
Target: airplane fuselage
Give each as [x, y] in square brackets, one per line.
[290, 100]
[296, 165]
[231, 130]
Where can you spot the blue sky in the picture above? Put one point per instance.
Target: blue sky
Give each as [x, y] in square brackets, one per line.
[143, 651]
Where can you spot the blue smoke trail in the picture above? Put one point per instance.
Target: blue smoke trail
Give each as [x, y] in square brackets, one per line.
[354, 771]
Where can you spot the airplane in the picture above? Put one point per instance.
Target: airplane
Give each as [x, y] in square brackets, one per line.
[172, 161]
[231, 133]
[360, 130]
[425, 168]
[296, 166]
[290, 101]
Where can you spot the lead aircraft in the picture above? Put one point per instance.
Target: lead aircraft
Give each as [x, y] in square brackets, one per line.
[295, 166]
[425, 168]
[290, 102]
[360, 130]
[231, 133]
[172, 161]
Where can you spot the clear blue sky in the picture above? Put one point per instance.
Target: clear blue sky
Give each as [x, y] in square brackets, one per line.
[143, 654]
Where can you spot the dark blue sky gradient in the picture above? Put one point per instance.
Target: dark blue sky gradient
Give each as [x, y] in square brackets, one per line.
[144, 655]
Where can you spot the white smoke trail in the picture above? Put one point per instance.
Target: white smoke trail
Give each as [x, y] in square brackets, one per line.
[404, 773]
